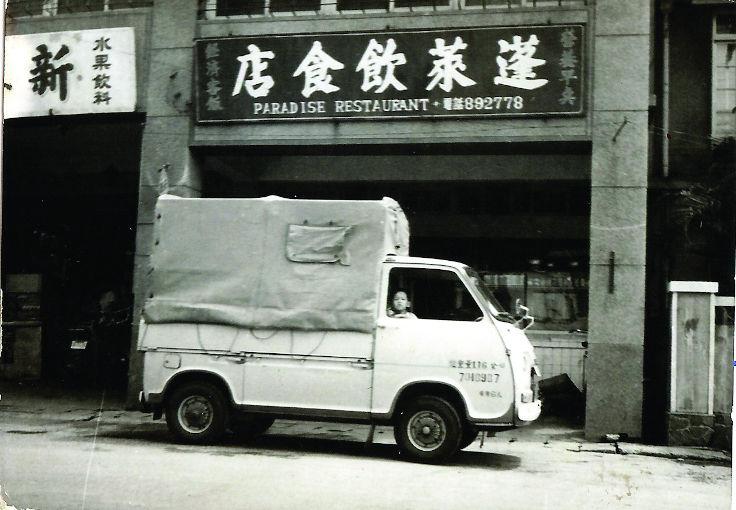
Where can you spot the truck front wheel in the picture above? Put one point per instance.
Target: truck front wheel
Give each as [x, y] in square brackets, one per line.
[428, 429]
[470, 433]
[197, 412]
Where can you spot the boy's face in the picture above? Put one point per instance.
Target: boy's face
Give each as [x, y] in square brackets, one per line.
[400, 301]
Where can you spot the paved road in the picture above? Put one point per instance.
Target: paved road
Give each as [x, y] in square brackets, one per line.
[73, 460]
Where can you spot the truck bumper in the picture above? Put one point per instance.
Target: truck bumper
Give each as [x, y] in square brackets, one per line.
[150, 404]
[528, 412]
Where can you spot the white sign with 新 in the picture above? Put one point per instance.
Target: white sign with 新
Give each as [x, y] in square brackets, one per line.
[64, 73]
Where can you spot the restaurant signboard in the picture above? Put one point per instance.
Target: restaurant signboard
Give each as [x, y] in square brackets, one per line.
[464, 72]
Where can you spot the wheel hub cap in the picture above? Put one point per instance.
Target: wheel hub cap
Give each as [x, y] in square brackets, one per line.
[195, 414]
[426, 430]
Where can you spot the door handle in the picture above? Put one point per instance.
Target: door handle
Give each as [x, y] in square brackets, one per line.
[363, 364]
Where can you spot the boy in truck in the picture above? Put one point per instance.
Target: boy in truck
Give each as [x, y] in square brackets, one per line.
[399, 307]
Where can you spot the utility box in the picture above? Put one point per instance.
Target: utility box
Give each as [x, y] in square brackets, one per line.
[22, 298]
[21, 352]
[692, 376]
[22, 331]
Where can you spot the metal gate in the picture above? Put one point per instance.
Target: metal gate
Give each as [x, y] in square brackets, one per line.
[560, 352]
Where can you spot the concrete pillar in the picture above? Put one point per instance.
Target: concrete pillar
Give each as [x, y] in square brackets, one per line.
[165, 145]
[619, 170]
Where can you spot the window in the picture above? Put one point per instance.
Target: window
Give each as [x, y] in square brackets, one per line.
[436, 294]
[724, 76]
[558, 300]
[493, 3]
[17, 8]
[259, 7]
[225, 8]
[510, 4]
[20, 8]
[411, 4]
[294, 5]
[65, 6]
[128, 4]
[239, 7]
[362, 5]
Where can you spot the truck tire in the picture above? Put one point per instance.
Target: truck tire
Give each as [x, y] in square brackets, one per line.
[197, 413]
[470, 433]
[251, 425]
[428, 429]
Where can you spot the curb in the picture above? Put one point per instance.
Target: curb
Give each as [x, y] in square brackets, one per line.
[678, 453]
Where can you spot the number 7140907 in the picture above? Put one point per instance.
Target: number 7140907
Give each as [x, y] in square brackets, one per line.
[480, 377]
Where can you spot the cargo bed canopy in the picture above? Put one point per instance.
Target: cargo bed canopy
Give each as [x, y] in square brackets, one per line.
[271, 262]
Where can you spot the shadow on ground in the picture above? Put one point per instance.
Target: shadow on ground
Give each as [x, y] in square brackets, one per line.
[290, 446]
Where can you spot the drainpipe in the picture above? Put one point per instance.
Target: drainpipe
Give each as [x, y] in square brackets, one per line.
[666, 8]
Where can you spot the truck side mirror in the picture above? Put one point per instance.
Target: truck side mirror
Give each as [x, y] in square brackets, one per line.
[521, 314]
[527, 321]
[520, 311]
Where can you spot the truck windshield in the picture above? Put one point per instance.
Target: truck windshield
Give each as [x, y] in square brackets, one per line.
[496, 308]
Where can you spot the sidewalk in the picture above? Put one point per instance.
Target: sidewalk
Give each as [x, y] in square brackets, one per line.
[32, 405]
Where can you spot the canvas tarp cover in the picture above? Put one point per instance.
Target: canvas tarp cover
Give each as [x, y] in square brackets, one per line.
[272, 262]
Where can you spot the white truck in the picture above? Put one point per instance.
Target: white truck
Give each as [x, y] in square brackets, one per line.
[276, 308]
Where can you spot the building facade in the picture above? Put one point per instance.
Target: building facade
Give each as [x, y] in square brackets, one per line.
[523, 137]
[74, 114]
[692, 189]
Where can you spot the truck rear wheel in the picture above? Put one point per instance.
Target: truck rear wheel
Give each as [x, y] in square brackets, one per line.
[251, 425]
[428, 429]
[197, 413]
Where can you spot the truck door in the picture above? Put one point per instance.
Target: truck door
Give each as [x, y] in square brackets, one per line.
[447, 338]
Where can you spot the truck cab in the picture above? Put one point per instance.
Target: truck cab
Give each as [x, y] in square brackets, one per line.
[462, 348]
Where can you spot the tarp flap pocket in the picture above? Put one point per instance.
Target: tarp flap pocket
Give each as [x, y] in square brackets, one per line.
[326, 244]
